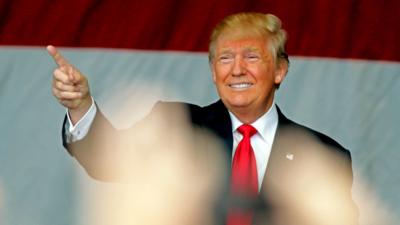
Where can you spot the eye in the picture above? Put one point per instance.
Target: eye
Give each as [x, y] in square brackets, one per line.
[252, 57]
[225, 59]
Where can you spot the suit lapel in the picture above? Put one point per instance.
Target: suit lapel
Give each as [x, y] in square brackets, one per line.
[283, 157]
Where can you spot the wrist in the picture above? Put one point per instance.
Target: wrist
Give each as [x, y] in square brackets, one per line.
[77, 113]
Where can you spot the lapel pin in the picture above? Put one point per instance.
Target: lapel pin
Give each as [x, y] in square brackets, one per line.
[290, 156]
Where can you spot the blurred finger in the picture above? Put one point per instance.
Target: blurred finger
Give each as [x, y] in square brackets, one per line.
[69, 95]
[57, 93]
[58, 58]
[65, 87]
[61, 75]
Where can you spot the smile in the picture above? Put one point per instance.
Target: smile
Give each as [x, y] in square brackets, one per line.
[240, 86]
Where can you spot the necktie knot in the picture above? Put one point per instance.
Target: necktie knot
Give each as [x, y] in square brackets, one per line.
[247, 130]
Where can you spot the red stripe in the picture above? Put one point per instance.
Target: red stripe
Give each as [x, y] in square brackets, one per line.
[366, 29]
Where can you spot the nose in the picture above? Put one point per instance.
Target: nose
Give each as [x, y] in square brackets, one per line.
[239, 68]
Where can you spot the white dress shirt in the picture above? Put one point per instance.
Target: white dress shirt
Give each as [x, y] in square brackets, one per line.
[261, 142]
[81, 128]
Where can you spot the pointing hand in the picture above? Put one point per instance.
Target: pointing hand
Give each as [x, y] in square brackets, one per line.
[70, 86]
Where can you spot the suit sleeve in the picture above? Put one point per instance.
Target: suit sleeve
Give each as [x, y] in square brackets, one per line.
[108, 154]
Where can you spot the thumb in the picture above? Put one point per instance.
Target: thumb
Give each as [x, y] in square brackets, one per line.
[74, 75]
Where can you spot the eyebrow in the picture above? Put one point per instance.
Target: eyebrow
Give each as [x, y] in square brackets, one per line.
[251, 49]
[246, 50]
[226, 51]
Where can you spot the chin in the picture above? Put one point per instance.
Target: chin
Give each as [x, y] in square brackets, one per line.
[237, 104]
[236, 100]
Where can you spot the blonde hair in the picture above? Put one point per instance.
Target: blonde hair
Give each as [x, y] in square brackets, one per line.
[265, 25]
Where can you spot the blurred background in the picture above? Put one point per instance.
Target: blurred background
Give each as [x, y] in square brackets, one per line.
[344, 80]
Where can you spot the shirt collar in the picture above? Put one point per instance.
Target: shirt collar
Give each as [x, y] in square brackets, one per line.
[265, 125]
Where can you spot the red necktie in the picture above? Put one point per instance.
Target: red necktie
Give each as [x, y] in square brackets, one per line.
[244, 180]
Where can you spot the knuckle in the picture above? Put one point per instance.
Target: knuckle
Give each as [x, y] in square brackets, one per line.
[57, 73]
[60, 86]
[57, 85]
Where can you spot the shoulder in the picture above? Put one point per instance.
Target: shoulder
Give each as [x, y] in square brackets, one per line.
[197, 114]
[304, 134]
[170, 108]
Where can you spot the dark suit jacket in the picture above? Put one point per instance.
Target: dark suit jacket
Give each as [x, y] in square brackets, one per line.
[308, 178]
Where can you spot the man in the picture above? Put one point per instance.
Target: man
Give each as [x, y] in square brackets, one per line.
[292, 174]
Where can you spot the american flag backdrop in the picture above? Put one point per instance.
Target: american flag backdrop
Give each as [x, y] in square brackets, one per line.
[343, 80]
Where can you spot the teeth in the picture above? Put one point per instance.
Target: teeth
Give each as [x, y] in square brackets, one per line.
[240, 85]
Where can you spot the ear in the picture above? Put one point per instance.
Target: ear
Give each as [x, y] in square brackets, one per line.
[281, 71]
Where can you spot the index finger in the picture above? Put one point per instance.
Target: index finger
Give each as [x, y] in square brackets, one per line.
[58, 58]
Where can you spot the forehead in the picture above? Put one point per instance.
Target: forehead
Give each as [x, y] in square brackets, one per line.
[248, 43]
[241, 40]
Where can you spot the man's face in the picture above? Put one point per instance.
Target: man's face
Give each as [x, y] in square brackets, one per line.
[245, 74]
